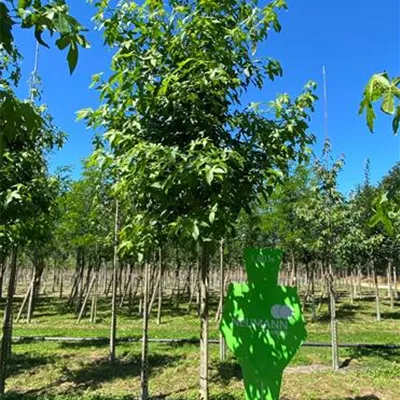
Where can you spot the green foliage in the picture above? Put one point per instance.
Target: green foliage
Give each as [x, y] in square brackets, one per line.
[324, 214]
[52, 16]
[85, 215]
[387, 203]
[20, 117]
[26, 190]
[189, 155]
[381, 88]
[281, 221]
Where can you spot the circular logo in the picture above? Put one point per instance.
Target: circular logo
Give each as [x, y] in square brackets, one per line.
[281, 312]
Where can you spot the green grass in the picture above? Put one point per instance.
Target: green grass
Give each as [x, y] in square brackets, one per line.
[61, 371]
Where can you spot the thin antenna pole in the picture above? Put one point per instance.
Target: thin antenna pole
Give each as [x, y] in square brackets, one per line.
[398, 42]
[34, 74]
[325, 104]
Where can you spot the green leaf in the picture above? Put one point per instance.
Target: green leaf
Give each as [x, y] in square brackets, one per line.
[61, 24]
[370, 117]
[38, 36]
[63, 42]
[388, 102]
[23, 4]
[396, 120]
[82, 114]
[209, 176]
[72, 57]
[14, 195]
[211, 217]
[195, 232]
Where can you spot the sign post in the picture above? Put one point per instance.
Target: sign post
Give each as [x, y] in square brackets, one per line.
[263, 324]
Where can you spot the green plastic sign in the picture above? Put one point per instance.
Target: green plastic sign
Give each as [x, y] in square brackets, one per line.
[263, 324]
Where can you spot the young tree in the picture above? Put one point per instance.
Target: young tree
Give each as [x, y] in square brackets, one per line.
[27, 133]
[190, 155]
[325, 213]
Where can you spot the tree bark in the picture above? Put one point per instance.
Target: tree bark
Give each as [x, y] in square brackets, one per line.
[390, 285]
[81, 313]
[2, 273]
[144, 381]
[396, 294]
[377, 300]
[155, 290]
[126, 287]
[61, 285]
[351, 286]
[334, 332]
[359, 276]
[222, 344]
[53, 286]
[93, 311]
[160, 287]
[313, 306]
[24, 301]
[34, 294]
[204, 265]
[113, 330]
[5, 345]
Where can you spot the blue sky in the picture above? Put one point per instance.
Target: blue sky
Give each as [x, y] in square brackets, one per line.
[352, 39]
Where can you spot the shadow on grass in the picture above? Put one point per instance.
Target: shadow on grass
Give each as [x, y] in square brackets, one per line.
[228, 370]
[344, 312]
[99, 343]
[386, 354]
[26, 396]
[218, 396]
[26, 361]
[348, 311]
[94, 374]
[367, 397]
[391, 315]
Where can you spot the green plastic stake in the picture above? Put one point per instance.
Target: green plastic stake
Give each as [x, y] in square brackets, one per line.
[263, 324]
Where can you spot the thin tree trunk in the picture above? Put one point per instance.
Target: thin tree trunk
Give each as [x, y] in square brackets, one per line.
[198, 289]
[144, 380]
[222, 344]
[313, 307]
[293, 278]
[2, 274]
[377, 301]
[359, 276]
[53, 286]
[396, 294]
[81, 313]
[334, 332]
[160, 287]
[26, 297]
[34, 294]
[204, 265]
[390, 286]
[107, 292]
[31, 300]
[5, 345]
[93, 311]
[113, 330]
[388, 278]
[351, 286]
[127, 286]
[105, 287]
[61, 284]
[155, 290]
[370, 282]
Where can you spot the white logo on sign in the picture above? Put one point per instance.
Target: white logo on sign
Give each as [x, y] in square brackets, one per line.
[281, 312]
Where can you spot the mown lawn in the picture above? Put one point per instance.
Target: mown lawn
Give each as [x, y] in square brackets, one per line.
[61, 371]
